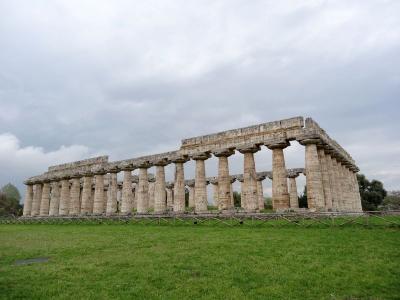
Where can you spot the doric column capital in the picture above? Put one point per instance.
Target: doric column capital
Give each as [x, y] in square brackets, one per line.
[113, 168]
[248, 149]
[87, 173]
[98, 170]
[126, 166]
[260, 177]
[310, 140]
[190, 182]
[144, 164]
[29, 181]
[200, 155]
[277, 144]
[224, 152]
[162, 162]
[75, 174]
[214, 180]
[65, 176]
[180, 158]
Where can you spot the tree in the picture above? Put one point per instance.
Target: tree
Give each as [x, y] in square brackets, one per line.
[9, 200]
[237, 199]
[372, 192]
[391, 202]
[303, 199]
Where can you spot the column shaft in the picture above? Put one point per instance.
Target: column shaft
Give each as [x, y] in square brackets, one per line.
[315, 192]
[98, 204]
[260, 195]
[160, 205]
[127, 195]
[179, 188]
[224, 184]
[112, 199]
[200, 186]
[64, 198]
[151, 194]
[280, 194]
[86, 206]
[143, 192]
[191, 196]
[215, 194]
[37, 196]
[55, 199]
[332, 179]
[326, 184]
[294, 200]
[28, 200]
[74, 208]
[45, 201]
[250, 182]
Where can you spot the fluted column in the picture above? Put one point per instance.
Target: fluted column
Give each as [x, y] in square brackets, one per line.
[344, 191]
[55, 198]
[98, 203]
[326, 183]
[294, 199]
[64, 196]
[87, 200]
[339, 193]
[332, 177]
[315, 191]
[74, 207]
[358, 204]
[45, 200]
[170, 196]
[250, 178]
[160, 196]
[224, 180]
[152, 187]
[280, 193]
[28, 199]
[347, 189]
[260, 192]
[190, 185]
[127, 195]
[214, 183]
[112, 190]
[143, 189]
[37, 197]
[179, 184]
[200, 186]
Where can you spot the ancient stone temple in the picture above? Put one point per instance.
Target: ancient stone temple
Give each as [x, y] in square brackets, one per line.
[91, 187]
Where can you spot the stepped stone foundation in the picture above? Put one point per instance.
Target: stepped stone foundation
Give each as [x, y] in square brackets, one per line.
[91, 186]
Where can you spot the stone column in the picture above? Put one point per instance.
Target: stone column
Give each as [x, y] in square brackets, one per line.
[127, 195]
[260, 192]
[28, 198]
[98, 204]
[315, 191]
[233, 179]
[113, 190]
[55, 197]
[64, 196]
[160, 204]
[151, 192]
[358, 204]
[224, 180]
[343, 188]
[74, 207]
[179, 184]
[87, 200]
[280, 193]
[200, 186]
[326, 183]
[143, 189]
[294, 199]
[170, 196]
[332, 178]
[346, 187]
[45, 200]
[214, 183]
[250, 178]
[37, 197]
[339, 193]
[190, 187]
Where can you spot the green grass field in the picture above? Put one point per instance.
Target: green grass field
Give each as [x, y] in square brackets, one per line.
[189, 262]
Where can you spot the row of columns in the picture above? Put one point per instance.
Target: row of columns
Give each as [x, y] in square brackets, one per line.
[331, 184]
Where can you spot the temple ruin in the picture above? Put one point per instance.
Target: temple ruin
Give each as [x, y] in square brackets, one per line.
[91, 186]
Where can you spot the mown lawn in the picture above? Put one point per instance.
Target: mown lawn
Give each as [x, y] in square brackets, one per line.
[189, 262]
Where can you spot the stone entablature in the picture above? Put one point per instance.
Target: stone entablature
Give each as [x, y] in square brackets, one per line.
[330, 173]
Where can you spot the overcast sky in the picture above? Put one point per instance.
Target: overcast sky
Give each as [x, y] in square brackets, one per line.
[128, 78]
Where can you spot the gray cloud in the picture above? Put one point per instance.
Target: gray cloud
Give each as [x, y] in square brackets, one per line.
[125, 79]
